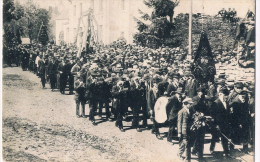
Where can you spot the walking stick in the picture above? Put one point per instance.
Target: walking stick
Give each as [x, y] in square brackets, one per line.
[233, 144]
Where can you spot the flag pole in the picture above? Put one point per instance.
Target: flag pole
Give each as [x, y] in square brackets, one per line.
[190, 32]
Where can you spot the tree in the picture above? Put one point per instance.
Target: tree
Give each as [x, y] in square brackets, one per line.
[18, 36]
[156, 29]
[11, 31]
[162, 8]
[31, 19]
[43, 35]
[8, 11]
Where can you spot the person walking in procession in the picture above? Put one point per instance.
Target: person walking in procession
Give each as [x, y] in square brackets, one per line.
[184, 123]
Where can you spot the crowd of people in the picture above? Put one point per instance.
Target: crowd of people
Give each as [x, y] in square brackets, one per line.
[228, 15]
[155, 84]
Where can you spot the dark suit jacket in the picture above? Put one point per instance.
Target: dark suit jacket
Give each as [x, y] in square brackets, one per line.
[239, 116]
[80, 91]
[220, 114]
[173, 108]
[171, 88]
[162, 87]
[42, 69]
[199, 105]
[151, 99]
[93, 93]
[184, 122]
[232, 97]
[104, 92]
[240, 113]
[52, 69]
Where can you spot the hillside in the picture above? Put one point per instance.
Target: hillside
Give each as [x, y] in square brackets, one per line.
[221, 34]
[221, 38]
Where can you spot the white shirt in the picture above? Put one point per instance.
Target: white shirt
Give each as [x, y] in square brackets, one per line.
[37, 61]
[224, 103]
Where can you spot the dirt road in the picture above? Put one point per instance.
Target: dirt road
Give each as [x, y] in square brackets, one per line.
[40, 125]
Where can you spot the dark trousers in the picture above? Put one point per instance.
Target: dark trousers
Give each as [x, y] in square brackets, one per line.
[24, 65]
[101, 104]
[155, 128]
[172, 125]
[135, 122]
[63, 82]
[252, 130]
[82, 103]
[31, 64]
[145, 114]
[215, 136]
[43, 79]
[185, 147]
[119, 112]
[53, 80]
[198, 142]
[137, 109]
[71, 83]
[92, 109]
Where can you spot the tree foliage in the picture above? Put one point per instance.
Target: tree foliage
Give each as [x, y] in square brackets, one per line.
[23, 21]
[157, 28]
[8, 11]
[11, 14]
[33, 19]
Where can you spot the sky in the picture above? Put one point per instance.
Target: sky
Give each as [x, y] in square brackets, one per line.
[211, 7]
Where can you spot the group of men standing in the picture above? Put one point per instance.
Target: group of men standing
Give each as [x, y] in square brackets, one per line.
[191, 107]
[228, 15]
[232, 120]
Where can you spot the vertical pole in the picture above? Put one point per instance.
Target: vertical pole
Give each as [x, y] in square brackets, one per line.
[190, 32]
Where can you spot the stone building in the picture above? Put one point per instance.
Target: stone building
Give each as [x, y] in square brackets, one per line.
[112, 20]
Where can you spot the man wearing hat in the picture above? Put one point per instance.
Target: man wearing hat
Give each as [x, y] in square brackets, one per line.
[152, 96]
[201, 109]
[173, 84]
[63, 76]
[173, 107]
[184, 123]
[240, 120]
[104, 96]
[80, 91]
[162, 87]
[191, 86]
[52, 73]
[251, 104]
[220, 112]
[25, 59]
[119, 103]
[68, 66]
[238, 87]
[42, 72]
[93, 99]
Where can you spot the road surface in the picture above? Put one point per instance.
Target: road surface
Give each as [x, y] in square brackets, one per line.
[40, 125]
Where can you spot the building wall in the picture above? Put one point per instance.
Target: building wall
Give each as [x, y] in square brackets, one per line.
[114, 19]
[61, 26]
